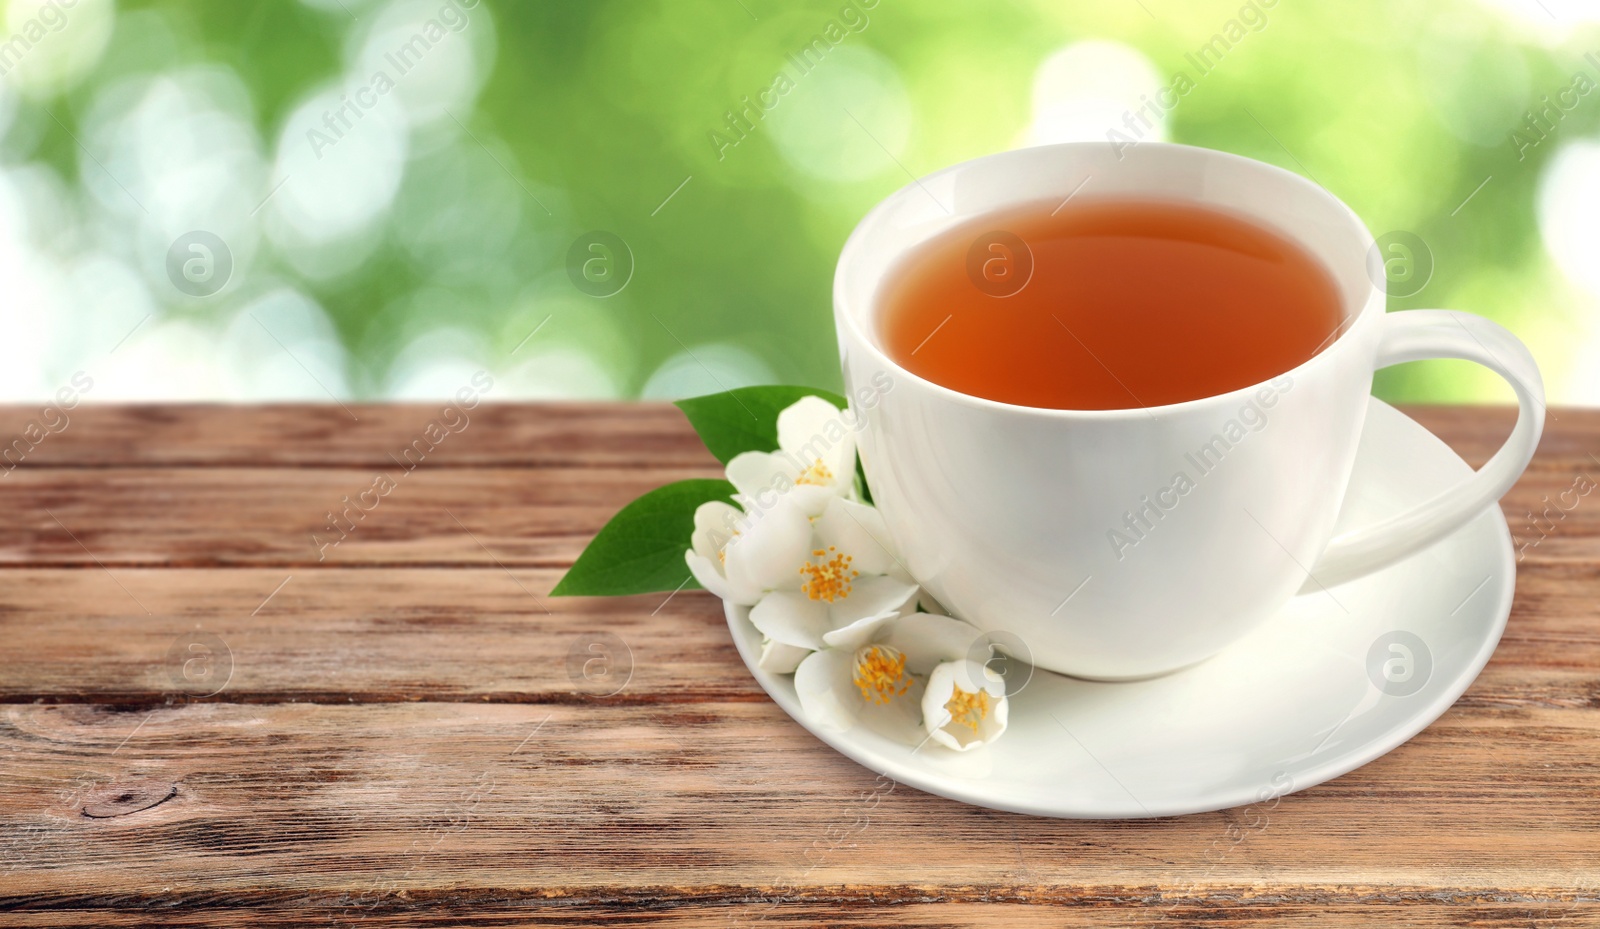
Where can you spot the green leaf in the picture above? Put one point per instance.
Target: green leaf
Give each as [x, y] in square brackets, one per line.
[641, 549]
[746, 419]
[861, 482]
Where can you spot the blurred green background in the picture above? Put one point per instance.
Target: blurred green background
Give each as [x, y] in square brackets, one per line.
[389, 237]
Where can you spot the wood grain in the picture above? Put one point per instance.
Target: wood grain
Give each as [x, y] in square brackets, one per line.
[186, 435]
[595, 795]
[303, 517]
[400, 740]
[483, 516]
[487, 514]
[475, 634]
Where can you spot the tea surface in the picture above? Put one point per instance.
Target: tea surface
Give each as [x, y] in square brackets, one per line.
[1107, 304]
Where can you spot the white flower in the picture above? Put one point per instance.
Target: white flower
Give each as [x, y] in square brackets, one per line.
[815, 460]
[849, 580]
[780, 658]
[827, 591]
[964, 704]
[809, 582]
[874, 668]
[739, 558]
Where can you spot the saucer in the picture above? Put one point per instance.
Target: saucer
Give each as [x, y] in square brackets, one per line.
[1339, 677]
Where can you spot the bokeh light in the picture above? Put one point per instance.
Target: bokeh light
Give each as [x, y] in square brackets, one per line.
[392, 187]
[1090, 87]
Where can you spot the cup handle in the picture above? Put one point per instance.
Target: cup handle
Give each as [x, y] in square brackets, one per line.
[1413, 335]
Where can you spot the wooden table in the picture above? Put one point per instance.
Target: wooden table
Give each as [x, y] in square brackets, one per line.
[206, 723]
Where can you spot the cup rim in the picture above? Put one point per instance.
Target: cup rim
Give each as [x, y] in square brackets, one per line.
[1362, 319]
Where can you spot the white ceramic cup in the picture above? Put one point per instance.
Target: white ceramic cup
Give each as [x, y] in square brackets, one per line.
[1070, 529]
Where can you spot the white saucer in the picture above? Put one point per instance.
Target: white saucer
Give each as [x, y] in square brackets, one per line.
[1295, 703]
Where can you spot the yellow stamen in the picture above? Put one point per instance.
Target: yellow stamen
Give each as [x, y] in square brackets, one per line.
[881, 673]
[968, 709]
[722, 551]
[828, 575]
[818, 474]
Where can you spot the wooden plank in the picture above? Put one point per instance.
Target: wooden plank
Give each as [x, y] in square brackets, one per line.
[71, 635]
[718, 802]
[507, 435]
[400, 741]
[1571, 434]
[308, 517]
[212, 503]
[291, 518]
[500, 435]
[918, 907]
[390, 634]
